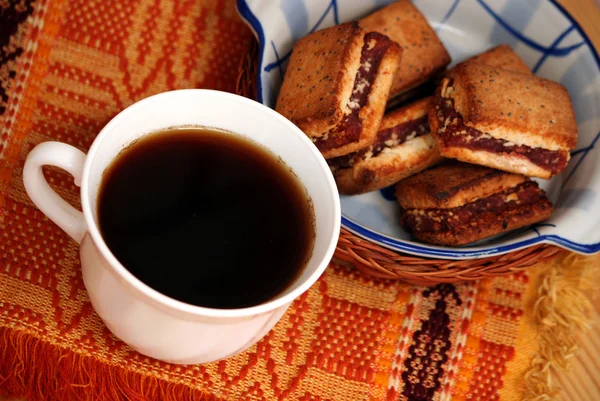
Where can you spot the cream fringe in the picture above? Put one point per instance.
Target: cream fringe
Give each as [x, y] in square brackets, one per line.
[561, 310]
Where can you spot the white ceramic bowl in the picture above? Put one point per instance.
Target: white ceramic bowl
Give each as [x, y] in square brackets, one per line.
[540, 31]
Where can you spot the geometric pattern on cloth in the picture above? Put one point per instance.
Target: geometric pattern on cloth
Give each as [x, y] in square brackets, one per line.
[66, 68]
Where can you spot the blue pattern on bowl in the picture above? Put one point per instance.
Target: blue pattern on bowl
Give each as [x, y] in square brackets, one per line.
[544, 35]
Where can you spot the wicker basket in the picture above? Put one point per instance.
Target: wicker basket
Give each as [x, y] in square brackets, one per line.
[380, 262]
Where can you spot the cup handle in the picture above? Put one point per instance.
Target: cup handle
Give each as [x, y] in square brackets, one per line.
[49, 202]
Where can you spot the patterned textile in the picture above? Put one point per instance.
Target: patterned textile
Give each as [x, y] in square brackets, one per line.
[66, 68]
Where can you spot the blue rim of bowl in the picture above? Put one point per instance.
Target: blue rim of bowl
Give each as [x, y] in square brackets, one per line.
[423, 250]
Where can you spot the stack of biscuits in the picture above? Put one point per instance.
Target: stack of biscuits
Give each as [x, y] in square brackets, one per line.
[376, 99]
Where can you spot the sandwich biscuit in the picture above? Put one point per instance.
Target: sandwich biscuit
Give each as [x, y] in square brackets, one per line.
[336, 86]
[502, 119]
[424, 55]
[459, 203]
[402, 148]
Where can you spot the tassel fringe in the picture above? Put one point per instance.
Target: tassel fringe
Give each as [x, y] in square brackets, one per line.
[37, 371]
[561, 310]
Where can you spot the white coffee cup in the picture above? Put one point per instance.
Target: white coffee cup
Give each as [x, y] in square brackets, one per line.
[150, 322]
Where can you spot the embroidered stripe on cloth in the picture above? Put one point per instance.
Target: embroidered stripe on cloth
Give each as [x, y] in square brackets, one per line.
[66, 68]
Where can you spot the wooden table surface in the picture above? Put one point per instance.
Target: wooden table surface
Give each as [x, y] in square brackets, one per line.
[582, 381]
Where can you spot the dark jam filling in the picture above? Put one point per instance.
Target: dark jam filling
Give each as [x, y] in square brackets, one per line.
[350, 128]
[456, 134]
[419, 92]
[436, 220]
[397, 134]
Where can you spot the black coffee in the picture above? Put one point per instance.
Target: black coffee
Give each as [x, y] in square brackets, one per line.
[206, 217]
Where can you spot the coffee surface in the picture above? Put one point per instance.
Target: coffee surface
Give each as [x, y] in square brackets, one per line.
[206, 217]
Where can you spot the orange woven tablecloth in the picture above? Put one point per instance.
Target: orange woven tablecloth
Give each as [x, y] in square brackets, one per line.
[66, 68]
